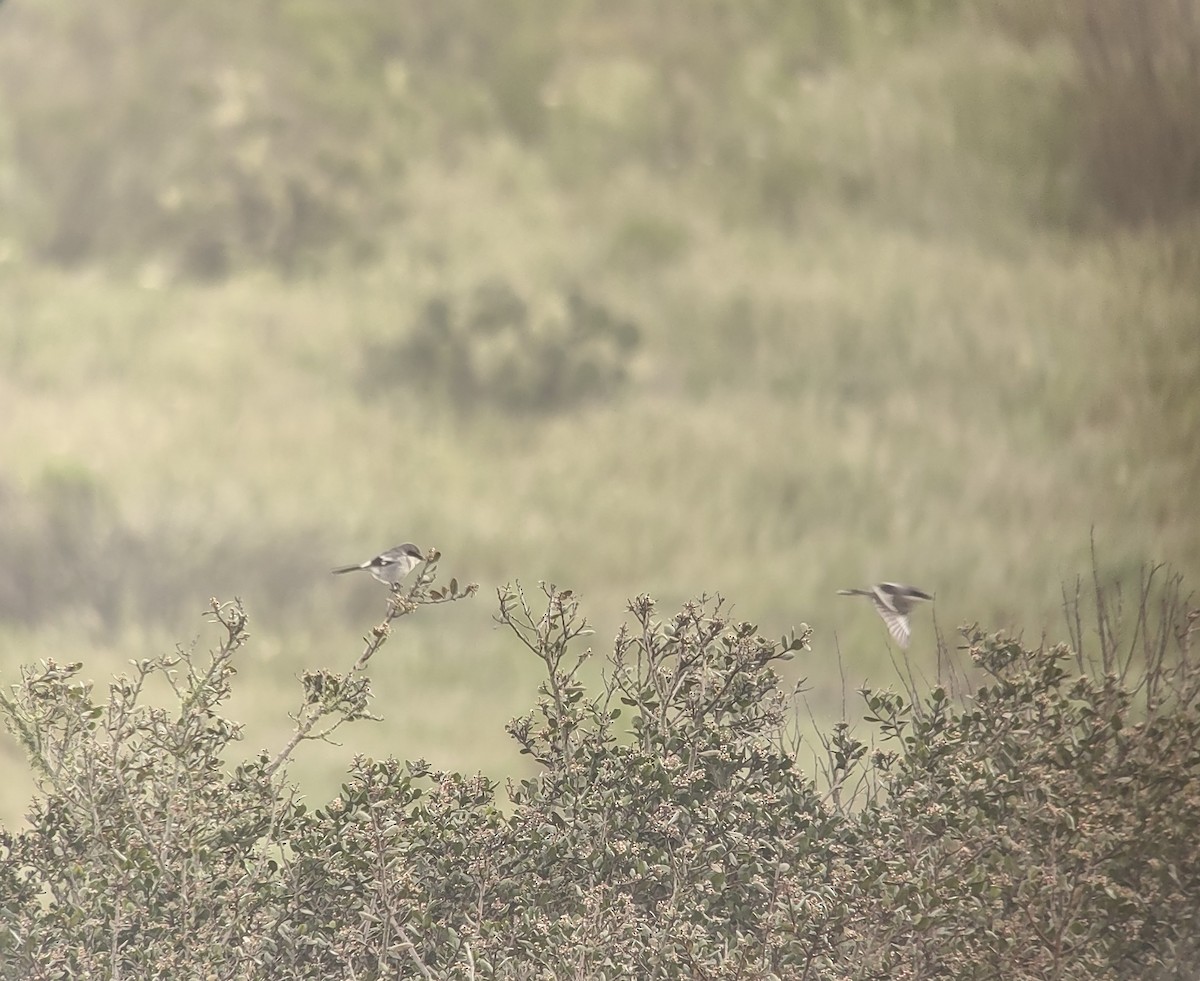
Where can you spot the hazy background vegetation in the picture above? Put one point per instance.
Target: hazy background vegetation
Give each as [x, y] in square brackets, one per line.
[765, 298]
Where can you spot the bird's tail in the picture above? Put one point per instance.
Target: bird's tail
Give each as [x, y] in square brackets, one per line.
[855, 592]
[347, 568]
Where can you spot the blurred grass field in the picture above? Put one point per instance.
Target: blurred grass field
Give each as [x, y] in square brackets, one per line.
[883, 335]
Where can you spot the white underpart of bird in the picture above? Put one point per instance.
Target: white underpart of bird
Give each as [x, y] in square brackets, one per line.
[389, 567]
[892, 601]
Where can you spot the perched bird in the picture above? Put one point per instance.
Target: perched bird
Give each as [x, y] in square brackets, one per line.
[892, 601]
[391, 566]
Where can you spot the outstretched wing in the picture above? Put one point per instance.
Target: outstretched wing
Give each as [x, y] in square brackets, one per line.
[897, 623]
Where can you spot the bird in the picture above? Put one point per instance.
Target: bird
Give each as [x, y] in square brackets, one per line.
[389, 567]
[892, 601]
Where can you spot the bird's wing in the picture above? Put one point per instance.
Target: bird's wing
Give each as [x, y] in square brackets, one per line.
[897, 623]
[886, 598]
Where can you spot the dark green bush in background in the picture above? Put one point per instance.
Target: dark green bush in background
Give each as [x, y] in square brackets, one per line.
[1043, 826]
[498, 349]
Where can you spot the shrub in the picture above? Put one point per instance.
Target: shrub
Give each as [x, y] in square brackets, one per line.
[499, 350]
[146, 856]
[1043, 827]
[1044, 831]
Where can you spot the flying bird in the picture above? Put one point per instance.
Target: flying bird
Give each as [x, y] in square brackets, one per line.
[892, 601]
[391, 566]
